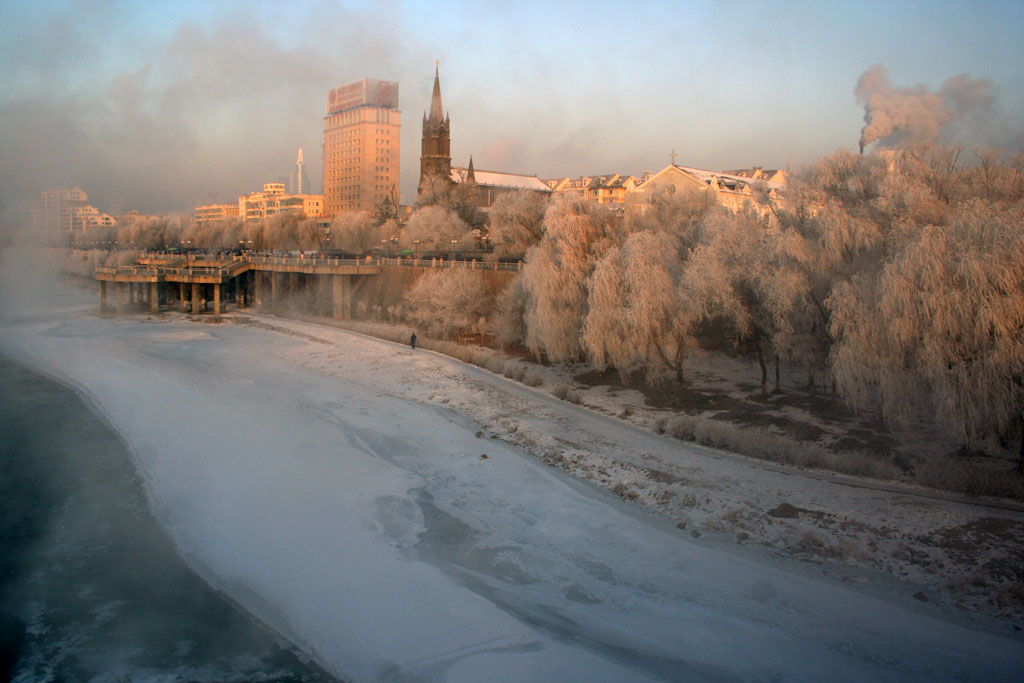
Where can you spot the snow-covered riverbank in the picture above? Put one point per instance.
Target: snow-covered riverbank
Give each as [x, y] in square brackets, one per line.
[348, 492]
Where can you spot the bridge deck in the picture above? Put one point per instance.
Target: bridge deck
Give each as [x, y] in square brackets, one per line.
[218, 271]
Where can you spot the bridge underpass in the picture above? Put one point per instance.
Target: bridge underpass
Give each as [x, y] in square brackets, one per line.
[319, 286]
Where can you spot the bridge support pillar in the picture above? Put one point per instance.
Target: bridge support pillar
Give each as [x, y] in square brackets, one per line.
[257, 287]
[342, 296]
[195, 298]
[154, 297]
[120, 298]
[216, 299]
[103, 296]
[242, 290]
[181, 295]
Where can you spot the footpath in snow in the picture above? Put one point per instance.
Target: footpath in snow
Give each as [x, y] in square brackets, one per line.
[385, 510]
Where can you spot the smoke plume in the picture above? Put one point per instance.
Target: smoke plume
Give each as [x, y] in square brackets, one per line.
[907, 116]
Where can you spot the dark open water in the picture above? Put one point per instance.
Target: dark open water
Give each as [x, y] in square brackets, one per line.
[91, 586]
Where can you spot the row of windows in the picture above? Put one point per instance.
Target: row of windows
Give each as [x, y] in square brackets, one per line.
[356, 115]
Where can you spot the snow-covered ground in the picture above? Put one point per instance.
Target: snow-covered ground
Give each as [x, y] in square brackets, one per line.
[392, 512]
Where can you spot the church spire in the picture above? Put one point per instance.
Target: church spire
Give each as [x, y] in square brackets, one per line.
[436, 159]
[470, 175]
[436, 109]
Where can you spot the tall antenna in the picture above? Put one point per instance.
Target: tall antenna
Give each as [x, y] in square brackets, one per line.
[298, 173]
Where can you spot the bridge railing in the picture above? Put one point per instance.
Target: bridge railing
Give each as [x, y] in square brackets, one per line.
[126, 270]
[210, 271]
[307, 261]
[450, 263]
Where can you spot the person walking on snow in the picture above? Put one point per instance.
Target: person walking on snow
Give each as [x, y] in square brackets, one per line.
[412, 340]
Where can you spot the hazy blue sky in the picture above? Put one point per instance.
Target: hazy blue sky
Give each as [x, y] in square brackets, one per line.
[163, 105]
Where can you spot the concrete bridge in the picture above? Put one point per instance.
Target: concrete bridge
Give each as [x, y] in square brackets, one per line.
[205, 282]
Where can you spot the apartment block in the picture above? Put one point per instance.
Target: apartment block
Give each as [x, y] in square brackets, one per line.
[361, 148]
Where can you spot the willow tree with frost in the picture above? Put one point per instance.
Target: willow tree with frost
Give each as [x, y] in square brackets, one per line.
[576, 235]
[448, 302]
[727, 279]
[355, 232]
[947, 335]
[637, 314]
[833, 227]
[516, 223]
[436, 228]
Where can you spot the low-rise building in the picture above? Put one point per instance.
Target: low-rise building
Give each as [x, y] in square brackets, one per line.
[604, 189]
[214, 212]
[736, 190]
[90, 217]
[257, 206]
[131, 216]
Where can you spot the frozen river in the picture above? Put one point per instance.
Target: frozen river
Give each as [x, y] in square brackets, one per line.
[92, 587]
[304, 471]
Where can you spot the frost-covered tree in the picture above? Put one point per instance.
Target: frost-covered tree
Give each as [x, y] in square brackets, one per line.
[727, 279]
[506, 323]
[448, 302]
[312, 236]
[436, 191]
[436, 228]
[843, 213]
[355, 232]
[153, 234]
[281, 231]
[214, 235]
[254, 234]
[576, 235]
[636, 311]
[945, 317]
[516, 223]
[680, 214]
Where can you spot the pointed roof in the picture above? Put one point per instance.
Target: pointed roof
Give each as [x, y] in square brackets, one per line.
[470, 176]
[436, 109]
[495, 179]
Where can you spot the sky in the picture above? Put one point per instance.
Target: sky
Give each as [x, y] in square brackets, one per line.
[160, 106]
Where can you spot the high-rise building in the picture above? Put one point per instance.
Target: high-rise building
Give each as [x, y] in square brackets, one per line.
[60, 208]
[361, 148]
[436, 156]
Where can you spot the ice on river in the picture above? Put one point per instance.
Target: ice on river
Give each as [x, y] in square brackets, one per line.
[365, 523]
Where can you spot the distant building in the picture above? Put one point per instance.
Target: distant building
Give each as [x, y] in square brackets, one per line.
[603, 189]
[733, 190]
[298, 180]
[436, 161]
[65, 208]
[492, 184]
[90, 217]
[435, 152]
[362, 136]
[214, 212]
[257, 206]
[60, 208]
[134, 216]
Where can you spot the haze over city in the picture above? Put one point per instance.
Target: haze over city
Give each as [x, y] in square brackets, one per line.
[163, 106]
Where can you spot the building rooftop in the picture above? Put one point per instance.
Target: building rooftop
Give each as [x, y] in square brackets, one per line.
[495, 179]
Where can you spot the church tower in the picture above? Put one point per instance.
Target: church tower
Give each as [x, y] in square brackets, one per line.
[436, 159]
